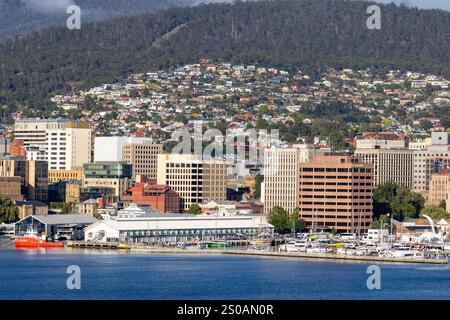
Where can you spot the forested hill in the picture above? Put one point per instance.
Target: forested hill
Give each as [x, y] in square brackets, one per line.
[23, 16]
[304, 34]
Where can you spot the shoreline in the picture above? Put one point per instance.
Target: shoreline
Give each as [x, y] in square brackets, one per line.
[302, 256]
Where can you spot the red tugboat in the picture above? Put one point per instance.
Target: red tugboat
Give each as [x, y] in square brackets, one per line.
[32, 240]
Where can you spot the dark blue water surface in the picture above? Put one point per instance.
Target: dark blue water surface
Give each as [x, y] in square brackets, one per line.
[41, 274]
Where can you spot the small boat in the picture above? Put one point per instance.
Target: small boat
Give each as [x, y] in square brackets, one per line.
[32, 240]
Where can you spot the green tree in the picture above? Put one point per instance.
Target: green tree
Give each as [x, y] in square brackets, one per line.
[279, 218]
[295, 222]
[9, 212]
[259, 178]
[195, 209]
[435, 212]
[400, 201]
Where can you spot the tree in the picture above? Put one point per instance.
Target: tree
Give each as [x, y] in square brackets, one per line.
[259, 178]
[400, 201]
[295, 222]
[279, 218]
[435, 212]
[9, 212]
[195, 209]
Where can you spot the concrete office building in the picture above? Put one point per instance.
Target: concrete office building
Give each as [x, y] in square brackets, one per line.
[64, 144]
[143, 157]
[109, 174]
[336, 192]
[440, 188]
[194, 179]
[11, 187]
[390, 164]
[430, 160]
[111, 148]
[33, 176]
[281, 174]
[4, 145]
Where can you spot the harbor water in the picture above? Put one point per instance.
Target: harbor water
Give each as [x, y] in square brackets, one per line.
[109, 274]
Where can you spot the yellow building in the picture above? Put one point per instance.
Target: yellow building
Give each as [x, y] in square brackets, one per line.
[65, 175]
[143, 157]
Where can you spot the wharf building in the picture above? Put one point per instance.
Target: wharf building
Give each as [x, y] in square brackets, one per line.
[135, 225]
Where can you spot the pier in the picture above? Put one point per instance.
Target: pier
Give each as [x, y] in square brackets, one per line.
[96, 245]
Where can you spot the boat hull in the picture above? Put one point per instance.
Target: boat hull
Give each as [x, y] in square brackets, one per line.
[36, 243]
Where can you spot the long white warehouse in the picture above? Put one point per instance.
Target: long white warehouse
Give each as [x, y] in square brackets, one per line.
[136, 225]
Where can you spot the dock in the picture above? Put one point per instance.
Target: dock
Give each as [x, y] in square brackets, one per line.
[256, 253]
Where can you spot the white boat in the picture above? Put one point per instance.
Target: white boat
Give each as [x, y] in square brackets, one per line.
[399, 252]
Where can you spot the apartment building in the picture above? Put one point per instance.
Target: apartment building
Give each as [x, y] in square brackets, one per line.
[336, 192]
[143, 157]
[194, 179]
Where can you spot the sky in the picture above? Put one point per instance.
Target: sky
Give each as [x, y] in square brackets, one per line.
[426, 4]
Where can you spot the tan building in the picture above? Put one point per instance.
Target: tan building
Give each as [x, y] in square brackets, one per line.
[281, 174]
[65, 175]
[195, 180]
[115, 175]
[390, 165]
[73, 189]
[143, 157]
[336, 192]
[28, 208]
[439, 189]
[11, 187]
[33, 176]
[78, 144]
[89, 207]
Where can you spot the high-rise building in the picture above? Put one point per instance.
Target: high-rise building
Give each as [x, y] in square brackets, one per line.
[281, 174]
[143, 157]
[336, 192]
[440, 188]
[33, 176]
[390, 164]
[11, 187]
[109, 174]
[4, 145]
[194, 179]
[64, 144]
[111, 148]
[430, 160]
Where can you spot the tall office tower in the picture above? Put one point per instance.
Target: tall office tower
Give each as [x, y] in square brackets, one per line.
[108, 174]
[64, 144]
[336, 192]
[143, 157]
[392, 161]
[33, 176]
[430, 160]
[194, 179]
[281, 174]
[111, 148]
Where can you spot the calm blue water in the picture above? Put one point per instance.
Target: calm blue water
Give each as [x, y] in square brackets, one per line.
[40, 274]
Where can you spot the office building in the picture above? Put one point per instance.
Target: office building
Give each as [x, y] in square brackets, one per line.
[33, 176]
[194, 179]
[440, 188]
[109, 174]
[111, 148]
[65, 175]
[390, 164]
[64, 144]
[11, 187]
[143, 157]
[335, 192]
[281, 174]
